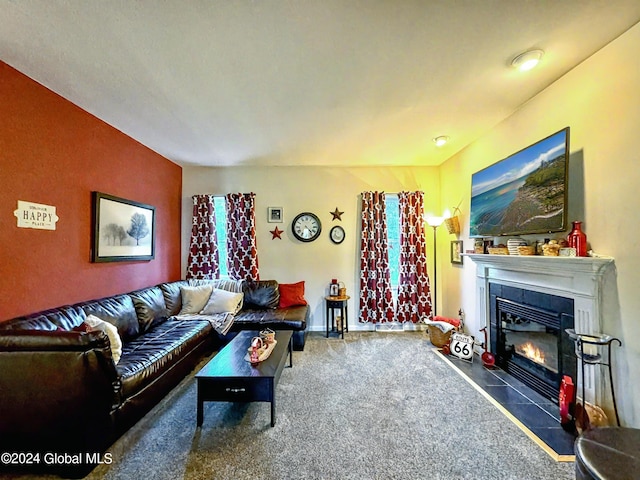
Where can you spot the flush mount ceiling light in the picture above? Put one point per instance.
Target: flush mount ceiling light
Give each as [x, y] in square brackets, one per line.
[527, 60]
[441, 140]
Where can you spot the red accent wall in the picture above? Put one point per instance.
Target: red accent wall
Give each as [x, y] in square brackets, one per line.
[55, 153]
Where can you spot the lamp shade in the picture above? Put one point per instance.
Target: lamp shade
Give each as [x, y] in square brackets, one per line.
[434, 221]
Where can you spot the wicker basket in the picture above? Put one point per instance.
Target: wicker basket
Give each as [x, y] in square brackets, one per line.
[453, 223]
[498, 250]
[550, 249]
[527, 250]
[438, 338]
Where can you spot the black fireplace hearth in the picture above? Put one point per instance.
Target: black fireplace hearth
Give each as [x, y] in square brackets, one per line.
[528, 337]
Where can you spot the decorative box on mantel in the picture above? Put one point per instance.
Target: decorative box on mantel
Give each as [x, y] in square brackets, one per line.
[579, 278]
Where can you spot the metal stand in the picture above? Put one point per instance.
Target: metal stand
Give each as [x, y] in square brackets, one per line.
[593, 355]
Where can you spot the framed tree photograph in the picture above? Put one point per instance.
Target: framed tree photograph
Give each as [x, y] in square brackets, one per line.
[123, 230]
[274, 214]
[456, 252]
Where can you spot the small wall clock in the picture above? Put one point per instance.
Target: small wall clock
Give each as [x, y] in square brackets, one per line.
[306, 227]
[337, 234]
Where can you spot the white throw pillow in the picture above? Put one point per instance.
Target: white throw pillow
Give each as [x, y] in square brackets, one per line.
[194, 298]
[112, 332]
[222, 301]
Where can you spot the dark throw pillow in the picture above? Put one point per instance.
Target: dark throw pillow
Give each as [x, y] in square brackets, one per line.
[262, 294]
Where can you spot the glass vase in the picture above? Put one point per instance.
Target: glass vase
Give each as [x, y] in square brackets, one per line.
[578, 239]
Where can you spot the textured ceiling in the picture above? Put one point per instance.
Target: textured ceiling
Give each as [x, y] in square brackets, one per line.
[302, 82]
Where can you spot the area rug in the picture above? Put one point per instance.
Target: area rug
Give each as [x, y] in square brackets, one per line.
[371, 406]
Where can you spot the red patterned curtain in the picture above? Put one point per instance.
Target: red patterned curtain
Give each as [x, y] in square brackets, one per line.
[203, 251]
[376, 301]
[242, 248]
[414, 292]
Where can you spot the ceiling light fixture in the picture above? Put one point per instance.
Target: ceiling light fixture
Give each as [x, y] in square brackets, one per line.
[527, 60]
[441, 140]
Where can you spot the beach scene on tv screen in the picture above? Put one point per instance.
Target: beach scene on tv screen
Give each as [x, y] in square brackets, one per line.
[524, 193]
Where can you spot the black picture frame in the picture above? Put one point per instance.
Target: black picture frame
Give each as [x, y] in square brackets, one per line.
[456, 252]
[123, 230]
[274, 215]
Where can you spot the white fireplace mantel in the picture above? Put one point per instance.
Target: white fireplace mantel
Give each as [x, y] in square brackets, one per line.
[563, 276]
[541, 262]
[579, 278]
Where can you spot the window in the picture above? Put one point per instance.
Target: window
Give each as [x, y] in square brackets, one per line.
[220, 205]
[392, 209]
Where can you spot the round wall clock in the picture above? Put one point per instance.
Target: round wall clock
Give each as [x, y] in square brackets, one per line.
[306, 227]
[337, 234]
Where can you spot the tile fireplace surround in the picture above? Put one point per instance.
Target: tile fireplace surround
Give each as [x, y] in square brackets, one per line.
[583, 279]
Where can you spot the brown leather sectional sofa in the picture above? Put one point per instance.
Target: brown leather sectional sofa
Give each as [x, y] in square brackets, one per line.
[61, 392]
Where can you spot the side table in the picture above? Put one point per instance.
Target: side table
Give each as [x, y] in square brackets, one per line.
[331, 305]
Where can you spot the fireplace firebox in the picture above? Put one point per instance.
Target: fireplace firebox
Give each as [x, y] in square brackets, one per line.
[528, 337]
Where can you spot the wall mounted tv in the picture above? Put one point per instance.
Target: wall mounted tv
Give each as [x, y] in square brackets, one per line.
[523, 193]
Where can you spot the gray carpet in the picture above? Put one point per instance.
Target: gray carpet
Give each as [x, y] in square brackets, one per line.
[371, 406]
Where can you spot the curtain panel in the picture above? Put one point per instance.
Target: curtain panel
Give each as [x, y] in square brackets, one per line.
[242, 248]
[414, 291]
[203, 259]
[376, 301]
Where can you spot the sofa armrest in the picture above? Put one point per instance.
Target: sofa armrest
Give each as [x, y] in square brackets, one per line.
[58, 391]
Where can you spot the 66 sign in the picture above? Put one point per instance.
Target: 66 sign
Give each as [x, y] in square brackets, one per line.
[462, 346]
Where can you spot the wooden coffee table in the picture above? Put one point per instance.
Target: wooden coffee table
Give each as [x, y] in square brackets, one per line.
[228, 377]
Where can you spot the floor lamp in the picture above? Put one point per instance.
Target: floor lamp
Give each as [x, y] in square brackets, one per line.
[435, 222]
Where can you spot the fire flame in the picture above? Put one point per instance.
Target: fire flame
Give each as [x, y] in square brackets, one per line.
[532, 352]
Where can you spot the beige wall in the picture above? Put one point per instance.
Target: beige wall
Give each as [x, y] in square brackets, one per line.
[313, 189]
[600, 101]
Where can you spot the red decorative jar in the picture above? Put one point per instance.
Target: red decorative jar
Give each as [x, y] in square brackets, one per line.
[578, 239]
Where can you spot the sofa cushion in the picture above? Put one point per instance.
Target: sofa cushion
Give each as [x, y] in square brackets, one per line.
[222, 301]
[118, 311]
[150, 307]
[291, 294]
[261, 294]
[292, 318]
[173, 296]
[221, 322]
[147, 357]
[194, 298]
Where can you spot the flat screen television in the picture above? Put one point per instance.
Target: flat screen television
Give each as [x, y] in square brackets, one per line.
[523, 193]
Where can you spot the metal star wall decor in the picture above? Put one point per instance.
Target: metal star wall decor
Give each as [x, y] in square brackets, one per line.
[275, 233]
[336, 214]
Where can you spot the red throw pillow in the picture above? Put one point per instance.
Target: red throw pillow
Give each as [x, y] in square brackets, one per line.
[291, 294]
